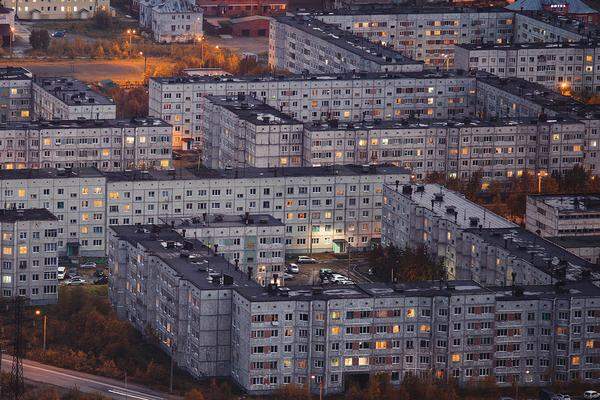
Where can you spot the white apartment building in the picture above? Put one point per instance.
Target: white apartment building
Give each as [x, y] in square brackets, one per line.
[57, 9]
[586, 247]
[473, 242]
[346, 97]
[242, 131]
[564, 67]
[317, 205]
[425, 33]
[433, 217]
[15, 94]
[536, 27]
[301, 44]
[253, 243]
[327, 337]
[109, 145]
[563, 215]
[178, 288]
[29, 255]
[68, 98]
[497, 149]
[176, 21]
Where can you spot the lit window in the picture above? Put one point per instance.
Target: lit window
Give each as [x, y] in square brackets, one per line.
[396, 329]
[575, 360]
[113, 195]
[7, 280]
[455, 357]
[21, 192]
[556, 137]
[363, 360]
[424, 328]
[381, 345]
[105, 152]
[24, 113]
[348, 361]
[98, 203]
[410, 313]
[142, 139]
[7, 251]
[164, 163]
[335, 362]
[22, 249]
[335, 330]
[84, 229]
[129, 140]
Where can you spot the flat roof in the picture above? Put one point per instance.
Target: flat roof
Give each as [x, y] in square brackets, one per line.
[222, 221]
[72, 91]
[425, 74]
[591, 44]
[559, 21]
[541, 253]
[86, 124]
[569, 203]
[27, 214]
[198, 267]
[252, 110]
[15, 73]
[408, 123]
[418, 289]
[451, 205]
[569, 242]
[50, 173]
[346, 40]
[251, 172]
[392, 9]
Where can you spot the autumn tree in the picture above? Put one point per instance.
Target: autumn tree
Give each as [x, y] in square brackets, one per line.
[39, 39]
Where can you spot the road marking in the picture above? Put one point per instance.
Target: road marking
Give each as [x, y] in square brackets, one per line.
[106, 385]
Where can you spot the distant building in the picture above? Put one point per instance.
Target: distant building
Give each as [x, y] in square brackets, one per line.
[7, 25]
[250, 26]
[57, 9]
[241, 8]
[15, 94]
[29, 254]
[586, 247]
[576, 9]
[563, 215]
[66, 98]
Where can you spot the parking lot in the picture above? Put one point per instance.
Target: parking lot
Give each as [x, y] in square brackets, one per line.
[355, 270]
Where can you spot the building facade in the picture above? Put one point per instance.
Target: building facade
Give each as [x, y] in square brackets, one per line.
[109, 145]
[176, 21]
[563, 215]
[29, 255]
[15, 94]
[300, 44]
[55, 9]
[69, 99]
[242, 131]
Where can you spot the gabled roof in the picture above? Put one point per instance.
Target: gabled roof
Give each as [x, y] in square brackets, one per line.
[177, 6]
[575, 6]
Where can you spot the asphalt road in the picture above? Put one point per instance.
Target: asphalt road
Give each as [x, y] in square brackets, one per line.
[86, 383]
[309, 273]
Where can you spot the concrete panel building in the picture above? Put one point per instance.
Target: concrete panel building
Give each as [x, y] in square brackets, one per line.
[109, 145]
[57, 9]
[535, 27]
[301, 44]
[15, 94]
[68, 98]
[29, 255]
[563, 215]
[586, 247]
[176, 21]
[242, 131]
[254, 243]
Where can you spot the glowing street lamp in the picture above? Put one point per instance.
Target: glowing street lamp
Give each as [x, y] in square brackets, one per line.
[39, 313]
[540, 175]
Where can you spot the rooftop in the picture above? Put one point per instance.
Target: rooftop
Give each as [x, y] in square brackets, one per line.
[571, 203]
[562, 21]
[253, 110]
[575, 241]
[86, 124]
[392, 9]
[29, 214]
[177, 6]
[451, 205]
[426, 74]
[541, 253]
[363, 47]
[583, 44]
[71, 91]
[189, 258]
[573, 6]
[15, 73]
[50, 173]
[222, 221]
[418, 289]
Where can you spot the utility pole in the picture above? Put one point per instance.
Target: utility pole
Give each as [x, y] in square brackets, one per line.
[16, 376]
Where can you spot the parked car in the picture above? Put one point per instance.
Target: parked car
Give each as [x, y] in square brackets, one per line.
[306, 260]
[564, 397]
[293, 268]
[325, 273]
[288, 277]
[61, 274]
[59, 34]
[346, 282]
[591, 394]
[88, 265]
[101, 280]
[76, 281]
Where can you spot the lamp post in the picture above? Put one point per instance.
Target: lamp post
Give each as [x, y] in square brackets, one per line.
[12, 39]
[540, 175]
[314, 378]
[44, 325]
[130, 33]
[446, 61]
[145, 62]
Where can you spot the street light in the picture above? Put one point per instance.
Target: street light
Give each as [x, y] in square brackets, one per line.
[540, 175]
[145, 62]
[12, 38]
[130, 33]
[38, 313]
[314, 378]
[446, 61]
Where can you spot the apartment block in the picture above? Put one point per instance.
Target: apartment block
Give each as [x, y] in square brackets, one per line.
[56, 9]
[536, 27]
[564, 67]
[459, 148]
[109, 145]
[473, 242]
[15, 94]
[29, 255]
[176, 21]
[563, 215]
[328, 337]
[433, 217]
[66, 98]
[178, 288]
[346, 97]
[317, 205]
[243, 131]
[586, 247]
[301, 44]
[425, 33]
[254, 243]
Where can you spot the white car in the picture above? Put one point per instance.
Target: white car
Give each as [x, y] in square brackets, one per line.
[346, 282]
[591, 394]
[565, 396]
[88, 265]
[288, 277]
[337, 278]
[293, 268]
[76, 281]
[306, 260]
[62, 271]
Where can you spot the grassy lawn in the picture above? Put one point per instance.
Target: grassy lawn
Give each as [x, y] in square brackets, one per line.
[88, 28]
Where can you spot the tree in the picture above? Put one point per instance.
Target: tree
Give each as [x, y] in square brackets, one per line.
[39, 39]
[194, 394]
[292, 392]
[103, 20]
